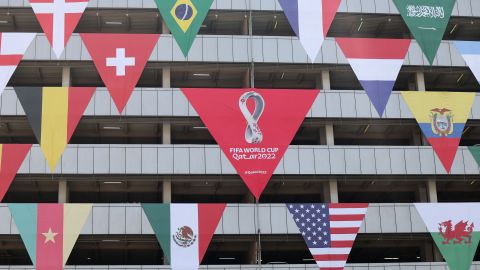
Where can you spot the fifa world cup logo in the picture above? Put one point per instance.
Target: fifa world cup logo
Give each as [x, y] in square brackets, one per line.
[253, 134]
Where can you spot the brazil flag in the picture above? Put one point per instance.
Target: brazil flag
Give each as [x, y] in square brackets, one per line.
[184, 18]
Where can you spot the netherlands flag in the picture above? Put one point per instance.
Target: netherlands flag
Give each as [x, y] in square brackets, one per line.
[311, 20]
[470, 51]
[376, 63]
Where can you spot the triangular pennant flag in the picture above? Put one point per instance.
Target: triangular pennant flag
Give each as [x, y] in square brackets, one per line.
[427, 20]
[54, 113]
[184, 19]
[49, 231]
[184, 230]
[310, 20]
[441, 117]
[58, 19]
[475, 151]
[120, 60]
[470, 51]
[329, 230]
[376, 62]
[12, 48]
[11, 158]
[454, 229]
[253, 127]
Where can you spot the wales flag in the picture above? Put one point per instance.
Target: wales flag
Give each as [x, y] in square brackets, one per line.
[184, 18]
[454, 228]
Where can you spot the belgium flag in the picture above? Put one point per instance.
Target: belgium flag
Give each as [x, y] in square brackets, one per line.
[54, 113]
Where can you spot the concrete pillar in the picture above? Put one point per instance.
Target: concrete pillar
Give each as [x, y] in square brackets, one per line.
[326, 80]
[420, 81]
[166, 77]
[62, 184]
[252, 253]
[167, 184]
[165, 29]
[62, 191]
[329, 135]
[432, 191]
[66, 79]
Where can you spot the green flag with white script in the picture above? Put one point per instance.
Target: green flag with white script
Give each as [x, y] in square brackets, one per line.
[475, 151]
[427, 20]
[455, 230]
[184, 19]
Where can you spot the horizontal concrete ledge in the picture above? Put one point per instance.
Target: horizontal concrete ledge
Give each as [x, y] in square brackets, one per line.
[238, 49]
[375, 266]
[167, 102]
[152, 159]
[238, 219]
[462, 7]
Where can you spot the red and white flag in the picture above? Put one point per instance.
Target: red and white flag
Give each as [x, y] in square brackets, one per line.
[58, 19]
[12, 48]
[120, 60]
[329, 230]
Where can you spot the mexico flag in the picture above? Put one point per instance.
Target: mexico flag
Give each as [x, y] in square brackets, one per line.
[11, 158]
[54, 113]
[49, 231]
[454, 229]
[184, 230]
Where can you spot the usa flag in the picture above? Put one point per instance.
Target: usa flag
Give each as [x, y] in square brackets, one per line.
[329, 230]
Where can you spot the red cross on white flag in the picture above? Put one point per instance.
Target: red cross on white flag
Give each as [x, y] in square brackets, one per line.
[58, 19]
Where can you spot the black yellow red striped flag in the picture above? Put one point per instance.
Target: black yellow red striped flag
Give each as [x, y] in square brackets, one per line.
[54, 113]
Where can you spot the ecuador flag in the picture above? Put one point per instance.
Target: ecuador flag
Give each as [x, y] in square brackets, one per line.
[11, 158]
[442, 117]
[54, 113]
[49, 231]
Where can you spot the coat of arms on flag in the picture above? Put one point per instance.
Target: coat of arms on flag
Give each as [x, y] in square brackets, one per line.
[53, 114]
[184, 19]
[49, 231]
[58, 19]
[184, 230]
[120, 60]
[329, 230]
[454, 229]
[441, 117]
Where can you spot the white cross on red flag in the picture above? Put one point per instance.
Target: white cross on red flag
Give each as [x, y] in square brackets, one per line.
[120, 60]
[58, 19]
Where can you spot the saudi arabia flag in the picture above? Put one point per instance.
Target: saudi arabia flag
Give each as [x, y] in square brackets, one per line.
[184, 230]
[454, 228]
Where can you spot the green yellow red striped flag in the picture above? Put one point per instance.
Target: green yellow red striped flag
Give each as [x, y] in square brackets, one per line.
[49, 231]
[54, 113]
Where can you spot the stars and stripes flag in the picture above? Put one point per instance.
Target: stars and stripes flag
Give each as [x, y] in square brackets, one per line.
[329, 230]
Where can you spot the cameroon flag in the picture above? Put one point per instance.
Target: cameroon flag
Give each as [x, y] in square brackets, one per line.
[184, 19]
[54, 113]
[49, 231]
[11, 158]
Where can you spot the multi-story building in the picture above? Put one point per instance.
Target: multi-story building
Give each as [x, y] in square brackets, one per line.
[158, 150]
